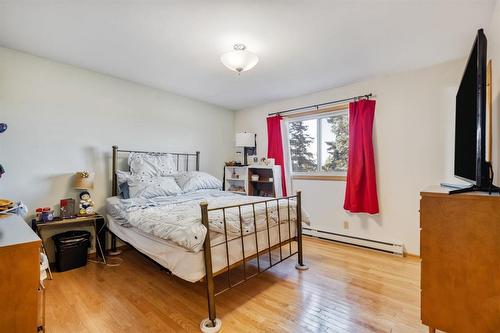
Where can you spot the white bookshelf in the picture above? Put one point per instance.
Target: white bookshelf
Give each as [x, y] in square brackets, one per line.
[237, 179]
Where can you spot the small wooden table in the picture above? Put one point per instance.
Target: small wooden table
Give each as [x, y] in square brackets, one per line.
[97, 221]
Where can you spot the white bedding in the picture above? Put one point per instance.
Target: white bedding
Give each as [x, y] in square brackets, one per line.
[177, 219]
[190, 266]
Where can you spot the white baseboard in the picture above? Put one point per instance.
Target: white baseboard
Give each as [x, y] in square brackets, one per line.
[395, 247]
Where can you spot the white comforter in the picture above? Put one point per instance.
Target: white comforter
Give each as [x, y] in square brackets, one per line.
[178, 218]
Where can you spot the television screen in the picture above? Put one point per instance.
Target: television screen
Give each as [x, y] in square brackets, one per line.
[470, 121]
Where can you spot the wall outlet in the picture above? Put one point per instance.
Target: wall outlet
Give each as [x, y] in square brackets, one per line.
[346, 225]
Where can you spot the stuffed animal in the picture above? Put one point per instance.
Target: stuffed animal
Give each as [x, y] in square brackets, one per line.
[86, 204]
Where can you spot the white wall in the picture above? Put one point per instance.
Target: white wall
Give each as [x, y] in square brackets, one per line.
[413, 133]
[63, 119]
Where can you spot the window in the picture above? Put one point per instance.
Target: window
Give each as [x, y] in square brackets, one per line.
[318, 144]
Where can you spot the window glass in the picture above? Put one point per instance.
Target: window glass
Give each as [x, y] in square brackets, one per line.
[319, 144]
[334, 143]
[303, 145]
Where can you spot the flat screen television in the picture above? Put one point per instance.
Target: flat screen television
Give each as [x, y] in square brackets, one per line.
[470, 121]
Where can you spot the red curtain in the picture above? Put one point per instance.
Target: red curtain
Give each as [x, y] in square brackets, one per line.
[361, 188]
[275, 146]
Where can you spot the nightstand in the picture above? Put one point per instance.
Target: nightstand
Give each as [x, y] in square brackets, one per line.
[97, 221]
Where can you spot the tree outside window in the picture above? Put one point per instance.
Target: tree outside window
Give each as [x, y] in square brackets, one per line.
[302, 140]
[319, 144]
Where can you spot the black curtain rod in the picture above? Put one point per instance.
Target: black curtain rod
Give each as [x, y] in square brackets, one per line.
[367, 96]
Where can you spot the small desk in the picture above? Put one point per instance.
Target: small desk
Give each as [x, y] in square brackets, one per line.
[97, 221]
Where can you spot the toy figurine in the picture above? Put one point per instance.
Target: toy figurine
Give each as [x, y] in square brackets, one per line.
[86, 204]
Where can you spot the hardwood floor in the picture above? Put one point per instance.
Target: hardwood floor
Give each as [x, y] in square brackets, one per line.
[346, 289]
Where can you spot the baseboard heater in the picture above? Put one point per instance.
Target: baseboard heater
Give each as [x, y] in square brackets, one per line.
[394, 247]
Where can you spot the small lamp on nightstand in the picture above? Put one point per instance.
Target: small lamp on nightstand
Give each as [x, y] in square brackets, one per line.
[249, 143]
[84, 181]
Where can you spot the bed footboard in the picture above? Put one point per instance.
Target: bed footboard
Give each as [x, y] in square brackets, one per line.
[213, 324]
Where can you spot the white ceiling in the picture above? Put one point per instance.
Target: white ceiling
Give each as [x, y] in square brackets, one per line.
[304, 45]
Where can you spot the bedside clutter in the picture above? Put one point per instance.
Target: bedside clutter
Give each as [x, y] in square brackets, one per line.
[255, 180]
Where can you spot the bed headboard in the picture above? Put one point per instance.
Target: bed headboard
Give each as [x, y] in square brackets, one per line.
[181, 161]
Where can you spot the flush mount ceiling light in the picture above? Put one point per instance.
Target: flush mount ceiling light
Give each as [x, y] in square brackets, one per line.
[240, 59]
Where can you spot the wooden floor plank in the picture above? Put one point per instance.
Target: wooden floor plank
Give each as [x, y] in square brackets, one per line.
[346, 289]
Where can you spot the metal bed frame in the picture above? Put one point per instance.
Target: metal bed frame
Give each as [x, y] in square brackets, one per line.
[212, 323]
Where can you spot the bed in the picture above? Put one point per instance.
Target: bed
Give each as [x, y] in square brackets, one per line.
[200, 234]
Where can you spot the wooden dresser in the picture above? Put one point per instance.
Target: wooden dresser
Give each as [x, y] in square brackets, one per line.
[19, 276]
[460, 250]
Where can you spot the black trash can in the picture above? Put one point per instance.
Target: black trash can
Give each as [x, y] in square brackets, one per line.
[71, 249]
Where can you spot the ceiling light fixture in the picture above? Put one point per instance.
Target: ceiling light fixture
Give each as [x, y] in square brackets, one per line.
[240, 59]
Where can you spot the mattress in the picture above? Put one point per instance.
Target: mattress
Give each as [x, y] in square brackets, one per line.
[177, 218]
[189, 265]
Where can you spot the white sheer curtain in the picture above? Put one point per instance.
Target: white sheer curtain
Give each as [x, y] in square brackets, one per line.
[286, 156]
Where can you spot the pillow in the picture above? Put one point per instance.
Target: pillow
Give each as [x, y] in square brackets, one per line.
[150, 187]
[122, 177]
[124, 190]
[195, 180]
[150, 164]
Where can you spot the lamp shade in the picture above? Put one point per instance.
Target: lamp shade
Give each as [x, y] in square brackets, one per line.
[84, 180]
[240, 59]
[245, 139]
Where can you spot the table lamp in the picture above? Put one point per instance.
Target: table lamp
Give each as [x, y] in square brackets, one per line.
[249, 143]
